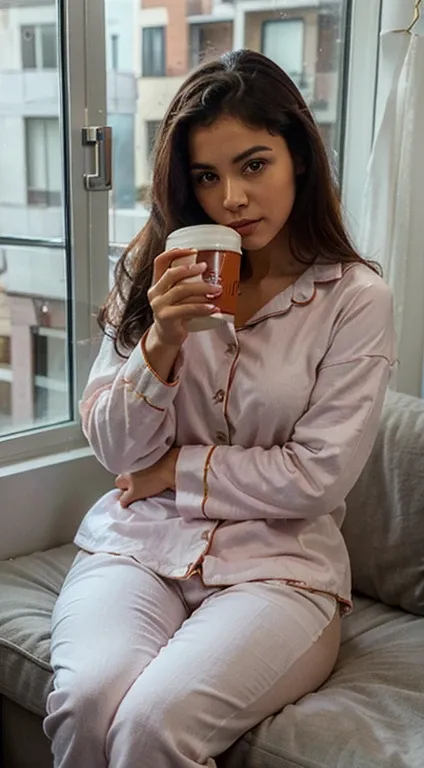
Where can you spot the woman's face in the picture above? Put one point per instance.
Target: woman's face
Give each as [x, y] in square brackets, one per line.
[243, 178]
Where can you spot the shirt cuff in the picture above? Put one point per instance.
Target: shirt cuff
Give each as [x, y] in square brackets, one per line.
[191, 477]
[146, 383]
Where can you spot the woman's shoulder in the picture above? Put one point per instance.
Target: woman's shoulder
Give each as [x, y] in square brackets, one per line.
[359, 276]
[360, 286]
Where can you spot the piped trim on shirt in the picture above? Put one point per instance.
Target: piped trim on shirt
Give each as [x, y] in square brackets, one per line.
[205, 480]
[228, 387]
[346, 606]
[140, 396]
[152, 370]
[301, 293]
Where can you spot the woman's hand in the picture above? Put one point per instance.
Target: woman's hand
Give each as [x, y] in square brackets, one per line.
[136, 486]
[177, 295]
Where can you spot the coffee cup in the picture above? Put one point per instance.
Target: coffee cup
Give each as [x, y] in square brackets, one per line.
[220, 248]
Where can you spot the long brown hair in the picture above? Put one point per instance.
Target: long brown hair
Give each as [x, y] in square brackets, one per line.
[250, 87]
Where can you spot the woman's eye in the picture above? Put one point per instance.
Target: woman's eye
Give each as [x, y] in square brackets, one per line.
[206, 178]
[255, 166]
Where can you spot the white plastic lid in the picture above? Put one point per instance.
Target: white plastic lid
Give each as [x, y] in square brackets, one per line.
[205, 237]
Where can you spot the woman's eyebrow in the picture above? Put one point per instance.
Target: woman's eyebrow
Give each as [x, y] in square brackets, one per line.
[237, 159]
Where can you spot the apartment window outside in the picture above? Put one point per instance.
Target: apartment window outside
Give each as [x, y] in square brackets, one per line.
[50, 373]
[39, 46]
[43, 161]
[283, 42]
[210, 40]
[114, 43]
[154, 55]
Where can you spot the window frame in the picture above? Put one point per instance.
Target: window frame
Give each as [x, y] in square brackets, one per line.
[360, 88]
[83, 99]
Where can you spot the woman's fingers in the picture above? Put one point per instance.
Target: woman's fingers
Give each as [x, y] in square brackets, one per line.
[162, 263]
[122, 482]
[126, 498]
[177, 277]
[187, 293]
[186, 312]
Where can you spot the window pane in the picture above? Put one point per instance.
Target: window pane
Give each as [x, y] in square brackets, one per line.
[283, 43]
[36, 153]
[33, 339]
[28, 47]
[307, 40]
[34, 336]
[114, 49]
[48, 46]
[153, 52]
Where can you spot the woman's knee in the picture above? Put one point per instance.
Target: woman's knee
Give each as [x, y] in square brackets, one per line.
[159, 724]
[82, 705]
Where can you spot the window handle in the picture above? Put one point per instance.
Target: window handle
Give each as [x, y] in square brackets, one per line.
[100, 138]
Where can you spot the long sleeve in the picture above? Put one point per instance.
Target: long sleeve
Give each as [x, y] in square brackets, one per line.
[312, 473]
[127, 411]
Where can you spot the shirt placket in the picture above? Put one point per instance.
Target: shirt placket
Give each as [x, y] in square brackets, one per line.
[221, 393]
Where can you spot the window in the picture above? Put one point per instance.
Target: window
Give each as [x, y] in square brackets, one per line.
[45, 301]
[114, 42]
[43, 160]
[39, 46]
[209, 40]
[154, 52]
[50, 374]
[282, 41]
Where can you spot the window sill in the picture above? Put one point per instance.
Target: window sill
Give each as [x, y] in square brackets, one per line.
[44, 500]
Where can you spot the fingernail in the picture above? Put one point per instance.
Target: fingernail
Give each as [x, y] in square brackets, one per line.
[211, 306]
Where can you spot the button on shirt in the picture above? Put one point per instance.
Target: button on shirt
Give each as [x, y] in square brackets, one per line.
[275, 420]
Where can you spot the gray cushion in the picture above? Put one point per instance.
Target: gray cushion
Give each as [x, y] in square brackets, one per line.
[369, 714]
[384, 527]
[29, 587]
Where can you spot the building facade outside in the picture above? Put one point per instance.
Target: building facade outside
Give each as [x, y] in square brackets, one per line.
[304, 37]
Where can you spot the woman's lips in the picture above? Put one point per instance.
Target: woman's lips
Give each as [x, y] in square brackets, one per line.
[245, 228]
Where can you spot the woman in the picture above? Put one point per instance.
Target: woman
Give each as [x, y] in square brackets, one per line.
[191, 615]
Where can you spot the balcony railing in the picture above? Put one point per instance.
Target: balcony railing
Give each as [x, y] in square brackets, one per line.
[36, 93]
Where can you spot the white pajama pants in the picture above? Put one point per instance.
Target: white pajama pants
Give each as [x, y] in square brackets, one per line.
[154, 673]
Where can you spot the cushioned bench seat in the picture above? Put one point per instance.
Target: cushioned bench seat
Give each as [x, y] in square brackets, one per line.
[370, 713]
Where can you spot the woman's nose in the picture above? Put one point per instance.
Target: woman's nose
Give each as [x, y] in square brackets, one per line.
[235, 196]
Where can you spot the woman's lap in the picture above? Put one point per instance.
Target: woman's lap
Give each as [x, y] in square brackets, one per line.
[243, 653]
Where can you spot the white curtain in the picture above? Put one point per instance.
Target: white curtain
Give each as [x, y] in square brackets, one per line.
[392, 222]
